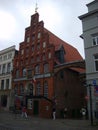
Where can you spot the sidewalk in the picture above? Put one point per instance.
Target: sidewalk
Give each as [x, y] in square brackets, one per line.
[9, 120]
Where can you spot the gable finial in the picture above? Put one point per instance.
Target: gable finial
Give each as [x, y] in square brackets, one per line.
[36, 8]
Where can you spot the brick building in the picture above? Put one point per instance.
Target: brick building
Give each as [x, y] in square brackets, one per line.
[35, 83]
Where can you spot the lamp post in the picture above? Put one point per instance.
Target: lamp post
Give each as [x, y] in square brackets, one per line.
[91, 110]
[90, 101]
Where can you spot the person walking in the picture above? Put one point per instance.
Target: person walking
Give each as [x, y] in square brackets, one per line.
[24, 112]
[65, 112]
[54, 113]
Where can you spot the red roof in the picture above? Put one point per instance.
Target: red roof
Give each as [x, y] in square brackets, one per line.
[71, 53]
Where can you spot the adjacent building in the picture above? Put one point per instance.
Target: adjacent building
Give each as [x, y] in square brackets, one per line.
[90, 37]
[6, 67]
[39, 81]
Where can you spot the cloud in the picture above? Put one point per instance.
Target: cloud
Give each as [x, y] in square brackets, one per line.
[59, 16]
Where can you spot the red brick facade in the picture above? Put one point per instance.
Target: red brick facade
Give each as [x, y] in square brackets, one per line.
[34, 81]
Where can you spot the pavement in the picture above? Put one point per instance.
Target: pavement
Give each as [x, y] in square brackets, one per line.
[10, 121]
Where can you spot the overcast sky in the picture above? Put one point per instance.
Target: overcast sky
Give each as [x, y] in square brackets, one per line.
[59, 16]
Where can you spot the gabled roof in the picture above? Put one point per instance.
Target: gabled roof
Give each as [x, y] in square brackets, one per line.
[71, 53]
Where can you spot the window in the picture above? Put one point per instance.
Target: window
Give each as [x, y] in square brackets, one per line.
[96, 62]
[44, 44]
[32, 48]
[27, 50]
[21, 89]
[0, 58]
[0, 69]
[8, 67]
[95, 40]
[38, 58]
[46, 68]
[39, 35]
[28, 39]
[5, 57]
[38, 91]
[37, 69]
[16, 89]
[2, 84]
[9, 55]
[49, 55]
[38, 46]
[33, 37]
[7, 83]
[3, 69]
[22, 52]
[44, 57]
[17, 73]
[24, 72]
[32, 60]
[29, 73]
[45, 89]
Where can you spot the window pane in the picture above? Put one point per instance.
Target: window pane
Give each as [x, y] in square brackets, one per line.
[9, 67]
[24, 72]
[38, 92]
[37, 69]
[7, 83]
[2, 84]
[96, 65]
[46, 68]
[46, 89]
[28, 39]
[3, 69]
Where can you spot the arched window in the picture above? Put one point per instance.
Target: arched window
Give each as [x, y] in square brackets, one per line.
[46, 67]
[16, 89]
[37, 69]
[21, 89]
[49, 55]
[17, 73]
[44, 57]
[24, 72]
[30, 89]
[45, 89]
[38, 58]
[38, 90]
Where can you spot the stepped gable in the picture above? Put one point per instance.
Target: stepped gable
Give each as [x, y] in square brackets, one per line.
[71, 53]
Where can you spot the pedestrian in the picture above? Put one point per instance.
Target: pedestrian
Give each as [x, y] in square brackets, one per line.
[65, 112]
[83, 112]
[24, 112]
[54, 113]
[15, 110]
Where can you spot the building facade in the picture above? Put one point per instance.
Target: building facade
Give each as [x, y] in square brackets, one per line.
[34, 78]
[6, 67]
[90, 37]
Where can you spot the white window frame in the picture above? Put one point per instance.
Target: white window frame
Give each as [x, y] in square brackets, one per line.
[96, 60]
[95, 40]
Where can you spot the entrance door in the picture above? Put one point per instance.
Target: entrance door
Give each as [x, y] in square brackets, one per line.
[36, 107]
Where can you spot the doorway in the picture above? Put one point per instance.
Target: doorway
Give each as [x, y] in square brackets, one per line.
[36, 107]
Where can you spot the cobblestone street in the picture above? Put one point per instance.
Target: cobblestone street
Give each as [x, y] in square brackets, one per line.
[8, 121]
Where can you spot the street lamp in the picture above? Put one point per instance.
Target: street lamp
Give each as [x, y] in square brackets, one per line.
[91, 110]
[90, 100]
